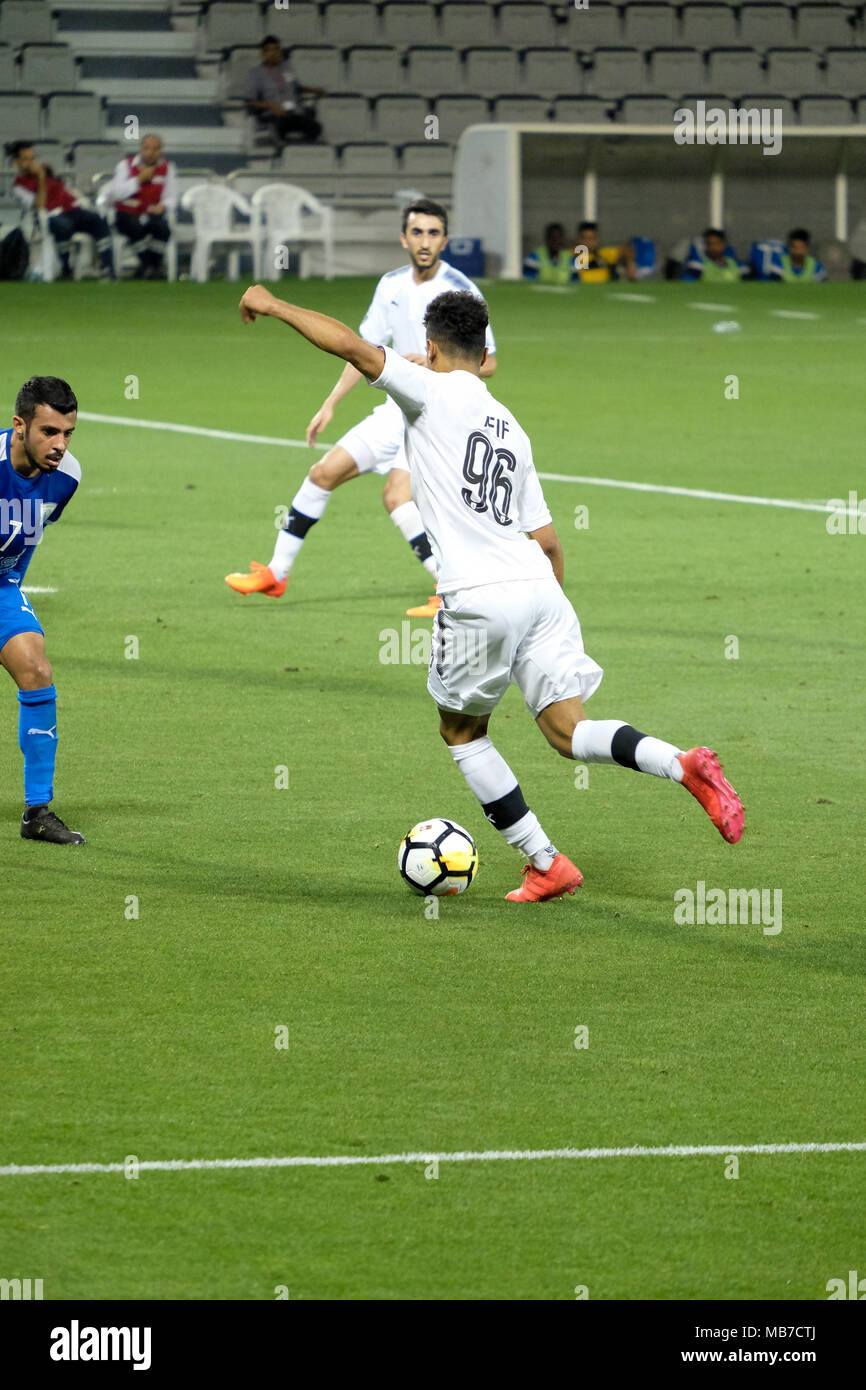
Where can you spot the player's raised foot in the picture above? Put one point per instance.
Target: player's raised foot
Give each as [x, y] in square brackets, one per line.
[40, 823]
[260, 580]
[538, 885]
[702, 776]
[426, 610]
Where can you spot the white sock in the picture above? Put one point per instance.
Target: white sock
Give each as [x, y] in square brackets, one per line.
[490, 778]
[614, 741]
[308, 505]
[407, 519]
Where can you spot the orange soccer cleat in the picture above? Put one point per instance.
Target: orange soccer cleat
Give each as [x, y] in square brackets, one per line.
[539, 885]
[426, 610]
[702, 776]
[260, 580]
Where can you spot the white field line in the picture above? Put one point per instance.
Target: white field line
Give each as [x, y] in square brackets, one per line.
[634, 298]
[793, 314]
[197, 429]
[37, 589]
[173, 1165]
[701, 304]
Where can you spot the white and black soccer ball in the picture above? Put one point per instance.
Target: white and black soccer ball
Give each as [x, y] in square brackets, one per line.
[438, 856]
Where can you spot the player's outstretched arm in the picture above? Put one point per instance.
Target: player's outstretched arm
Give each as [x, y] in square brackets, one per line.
[550, 543]
[327, 334]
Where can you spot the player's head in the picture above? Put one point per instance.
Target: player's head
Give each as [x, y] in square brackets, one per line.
[45, 411]
[716, 241]
[424, 232]
[798, 244]
[151, 149]
[587, 235]
[20, 152]
[554, 237]
[456, 326]
[272, 51]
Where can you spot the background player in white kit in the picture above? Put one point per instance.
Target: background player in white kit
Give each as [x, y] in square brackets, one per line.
[396, 316]
[500, 577]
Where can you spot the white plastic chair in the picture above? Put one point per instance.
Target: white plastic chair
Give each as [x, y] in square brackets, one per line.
[213, 206]
[289, 215]
[48, 262]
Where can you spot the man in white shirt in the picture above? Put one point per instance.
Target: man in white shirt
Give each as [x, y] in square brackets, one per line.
[143, 189]
[396, 316]
[504, 615]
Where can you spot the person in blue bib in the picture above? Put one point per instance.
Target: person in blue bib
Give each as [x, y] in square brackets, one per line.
[38, 477]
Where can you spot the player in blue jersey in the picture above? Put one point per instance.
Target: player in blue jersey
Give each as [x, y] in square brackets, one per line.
[38, 476]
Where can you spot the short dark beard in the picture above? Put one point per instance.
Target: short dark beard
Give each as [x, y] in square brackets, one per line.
[34, 463]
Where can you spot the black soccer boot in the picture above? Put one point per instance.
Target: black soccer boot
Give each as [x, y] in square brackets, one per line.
[40, 823]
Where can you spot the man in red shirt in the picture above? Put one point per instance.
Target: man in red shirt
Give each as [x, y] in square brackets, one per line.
[143, 189]
[39, 189]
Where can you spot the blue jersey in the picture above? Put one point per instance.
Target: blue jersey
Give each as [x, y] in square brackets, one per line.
[27, 504]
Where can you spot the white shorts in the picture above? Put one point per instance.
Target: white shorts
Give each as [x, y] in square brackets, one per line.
[376, 444]
[524, 631]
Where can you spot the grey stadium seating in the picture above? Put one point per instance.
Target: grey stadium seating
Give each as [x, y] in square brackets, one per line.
[549, 72]
[490, 71]
[598, 26]
[676, 69]
[455, 113]
[735, 70]
[463, 24]
[227, 24]
[526, 26]
[74, 116]
[819, 110]
[616, 71]
[647, 110]
[793, 71]
[407, 22]
[350, 24]
[646, 25]
[400, 118]
[846, 71]
[764, 26]
[374, 69]
[517, 108]
[47, 67]
[434, 70]
[708, 26]
[825, 26]
[26, 21]
[345, 118]
[319, 65]
[580, 110]
[19, 116]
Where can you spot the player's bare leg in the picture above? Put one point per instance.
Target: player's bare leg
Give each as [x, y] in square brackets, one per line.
[23, 656]
[308, 506]
[397, 497]
[549, 873]
[567, 729]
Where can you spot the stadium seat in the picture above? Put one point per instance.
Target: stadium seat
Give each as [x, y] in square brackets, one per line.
[647, 110]
[300, 23]
[466, 23]
[598, 26]
[349, 24]
[549, 72]
[48, 67]
[526, 26]
[616, 71]
[580, 110]
[26, 21]
[373, 70]
[74, 116]
[228, 24]
[399, 118]
[820, 110]
[676, 69]
[735, 70]
[793, 71]
[409, 23]
[94, 157]
[19, 116]
[772, 101]
[345, 118]
[292, 217]
[521, 109]
[708, 26]
[8, 68]
[489, 71]
[646, 25]
[825, 26]
[312, 166]
[434, 70]
[846, 71]
[319, 66]
[430, 166]
[234, 70]
[457, 112]
[368, 170]
[764, 26]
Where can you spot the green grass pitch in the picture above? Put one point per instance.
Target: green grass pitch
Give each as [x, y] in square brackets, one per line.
[261, 908]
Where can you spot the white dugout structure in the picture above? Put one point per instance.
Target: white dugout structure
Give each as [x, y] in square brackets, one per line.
[510, 180]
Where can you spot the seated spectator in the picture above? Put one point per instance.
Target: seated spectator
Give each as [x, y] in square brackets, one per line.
[595, 264]
[712, 260]
[274, 96]
[143, 188]
[552, 263]
[38, 189]
[795, 265]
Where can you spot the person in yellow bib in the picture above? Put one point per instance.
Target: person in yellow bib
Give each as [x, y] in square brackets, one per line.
[795, 266]
[595, 264]
[552, 262]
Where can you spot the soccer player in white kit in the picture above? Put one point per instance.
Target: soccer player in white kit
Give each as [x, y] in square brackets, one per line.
[504, 615]
[396, 316]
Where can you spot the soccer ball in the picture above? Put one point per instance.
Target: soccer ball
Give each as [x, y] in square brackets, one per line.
[438, 856]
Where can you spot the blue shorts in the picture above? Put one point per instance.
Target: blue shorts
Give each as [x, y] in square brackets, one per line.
[16, 614]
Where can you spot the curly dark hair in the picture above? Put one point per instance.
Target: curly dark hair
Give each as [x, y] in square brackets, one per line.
[45, 390]
[457, 322]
